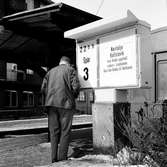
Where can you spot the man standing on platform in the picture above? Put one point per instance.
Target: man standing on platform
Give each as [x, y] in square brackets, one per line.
[60, 87]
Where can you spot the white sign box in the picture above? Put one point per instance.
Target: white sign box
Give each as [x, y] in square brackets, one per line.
[118, 56]
[87, 63]
[118, 61]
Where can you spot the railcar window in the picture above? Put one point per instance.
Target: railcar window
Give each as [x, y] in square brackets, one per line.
[11, 98]
[40, 99]
[81, 96]
[29, 71]
[28, 98]
[91, 96]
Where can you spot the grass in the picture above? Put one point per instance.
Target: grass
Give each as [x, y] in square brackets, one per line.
[147, 137]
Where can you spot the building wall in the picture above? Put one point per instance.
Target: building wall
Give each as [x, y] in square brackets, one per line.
[145, 102]
[159, 40]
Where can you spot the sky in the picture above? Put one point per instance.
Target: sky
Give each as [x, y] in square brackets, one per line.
[153, 12]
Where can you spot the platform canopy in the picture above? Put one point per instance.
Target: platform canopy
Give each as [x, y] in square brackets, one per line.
[35, 38]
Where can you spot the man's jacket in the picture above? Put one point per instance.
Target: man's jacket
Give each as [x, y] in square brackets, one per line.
[60, 87]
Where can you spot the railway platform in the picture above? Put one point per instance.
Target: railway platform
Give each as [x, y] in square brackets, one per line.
[42, 123]
[22, 145]
[40, 154]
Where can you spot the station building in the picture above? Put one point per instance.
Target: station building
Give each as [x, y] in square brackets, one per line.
[31, 42]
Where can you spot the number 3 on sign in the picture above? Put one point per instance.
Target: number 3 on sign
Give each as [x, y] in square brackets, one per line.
[86, 75]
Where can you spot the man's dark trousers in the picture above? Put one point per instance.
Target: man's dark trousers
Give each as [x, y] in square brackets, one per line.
[59, 122]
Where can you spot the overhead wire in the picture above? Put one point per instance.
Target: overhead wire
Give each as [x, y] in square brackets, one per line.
[101, 4]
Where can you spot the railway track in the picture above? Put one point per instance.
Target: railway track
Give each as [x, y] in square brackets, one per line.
[41, 123]
[13, 138]
[16, 132]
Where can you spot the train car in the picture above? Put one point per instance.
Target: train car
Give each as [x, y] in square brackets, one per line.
[20, 95]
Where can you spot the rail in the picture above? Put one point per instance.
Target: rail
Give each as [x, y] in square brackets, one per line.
[39, 125]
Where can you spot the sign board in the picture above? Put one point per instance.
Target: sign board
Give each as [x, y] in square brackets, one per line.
[118, 56]
[87, 63]
[118, 61]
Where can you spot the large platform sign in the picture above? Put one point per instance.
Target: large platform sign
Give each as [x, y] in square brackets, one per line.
[87, 63]
[118, 61]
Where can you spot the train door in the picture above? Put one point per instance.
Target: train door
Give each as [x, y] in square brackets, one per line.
[161, 77]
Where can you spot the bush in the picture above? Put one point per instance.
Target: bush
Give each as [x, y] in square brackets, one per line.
[148, 137]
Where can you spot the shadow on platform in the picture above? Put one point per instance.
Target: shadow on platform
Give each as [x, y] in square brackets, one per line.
[80, 147]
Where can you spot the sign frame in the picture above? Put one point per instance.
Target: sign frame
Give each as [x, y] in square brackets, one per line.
[137, 62]
[118, 35]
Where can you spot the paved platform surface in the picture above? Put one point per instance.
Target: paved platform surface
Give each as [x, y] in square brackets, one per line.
[39, 155]
[34, 150]
[38, 123]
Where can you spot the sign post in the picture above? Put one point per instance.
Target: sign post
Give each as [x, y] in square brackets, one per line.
[112, 58]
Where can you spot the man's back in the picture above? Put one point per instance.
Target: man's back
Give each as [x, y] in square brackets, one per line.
[61, 85]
